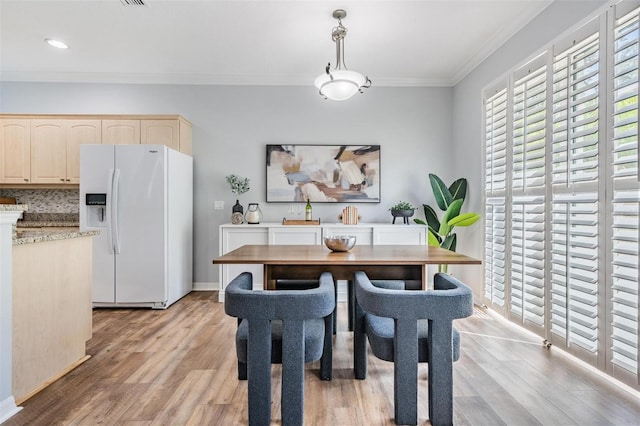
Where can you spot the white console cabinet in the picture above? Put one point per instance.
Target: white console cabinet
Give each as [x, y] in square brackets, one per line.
[234, 236]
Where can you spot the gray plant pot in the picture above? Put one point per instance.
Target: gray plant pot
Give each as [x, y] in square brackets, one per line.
[404, 214]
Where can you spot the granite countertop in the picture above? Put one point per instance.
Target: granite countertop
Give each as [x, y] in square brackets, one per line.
[40, 227]
[45, 224]
[39, 220]
[13, 207]
[50, 233]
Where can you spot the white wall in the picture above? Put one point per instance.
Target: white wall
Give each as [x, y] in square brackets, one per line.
[467, 113]
[232, 125]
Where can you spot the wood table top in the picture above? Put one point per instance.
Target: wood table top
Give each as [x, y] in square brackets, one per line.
[363, 255]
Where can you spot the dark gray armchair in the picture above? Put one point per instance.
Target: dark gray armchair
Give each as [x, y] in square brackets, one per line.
[291, 327]
[407, 327]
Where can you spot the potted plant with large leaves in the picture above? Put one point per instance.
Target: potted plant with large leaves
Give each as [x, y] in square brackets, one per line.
[449, 199]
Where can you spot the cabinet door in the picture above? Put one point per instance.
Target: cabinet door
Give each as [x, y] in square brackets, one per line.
[160, 132]
[120, 132]
[400, 235]
[15, 150]
[363, 233]
[304, 234]
[79, 132]
[48, 151]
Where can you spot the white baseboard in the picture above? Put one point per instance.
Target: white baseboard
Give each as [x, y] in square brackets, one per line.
[8, 408]
[206, 286]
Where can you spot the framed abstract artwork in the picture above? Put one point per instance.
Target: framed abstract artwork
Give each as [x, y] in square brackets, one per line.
[323, 173]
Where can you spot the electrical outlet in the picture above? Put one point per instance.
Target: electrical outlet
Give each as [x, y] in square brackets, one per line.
[218, 205]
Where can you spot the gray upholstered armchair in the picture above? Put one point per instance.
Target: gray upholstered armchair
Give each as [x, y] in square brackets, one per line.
[407, 327]
[291, 327]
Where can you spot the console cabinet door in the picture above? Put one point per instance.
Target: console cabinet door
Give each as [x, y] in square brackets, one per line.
[303, 235]
[400, 235]
[363, 233]
[15, 150]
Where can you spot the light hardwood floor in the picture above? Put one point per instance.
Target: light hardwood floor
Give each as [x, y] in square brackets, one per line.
[178, 367]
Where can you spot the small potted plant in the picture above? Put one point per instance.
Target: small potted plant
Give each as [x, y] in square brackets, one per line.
[402, 209]
[239, 185]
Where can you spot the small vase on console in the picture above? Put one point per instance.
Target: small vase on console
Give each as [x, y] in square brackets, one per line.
[237, 216]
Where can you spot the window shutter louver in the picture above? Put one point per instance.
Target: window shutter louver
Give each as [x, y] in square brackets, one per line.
[625, 199]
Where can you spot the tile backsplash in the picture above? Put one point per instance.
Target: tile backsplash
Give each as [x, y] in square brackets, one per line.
[46, 200]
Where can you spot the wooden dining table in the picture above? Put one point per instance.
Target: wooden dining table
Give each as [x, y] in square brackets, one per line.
[304, 262]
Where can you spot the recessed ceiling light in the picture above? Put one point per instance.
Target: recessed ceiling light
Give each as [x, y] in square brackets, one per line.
[56, 43]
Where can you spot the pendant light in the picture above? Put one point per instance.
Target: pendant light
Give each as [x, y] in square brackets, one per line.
[339, 83]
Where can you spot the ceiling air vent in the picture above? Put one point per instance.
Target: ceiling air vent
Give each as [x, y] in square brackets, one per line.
[135, 2]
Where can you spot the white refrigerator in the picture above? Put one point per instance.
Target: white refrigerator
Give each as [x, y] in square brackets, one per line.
[140, 198]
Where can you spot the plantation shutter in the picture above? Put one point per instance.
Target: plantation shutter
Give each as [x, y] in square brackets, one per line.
[496, 142]
[562, 219]
[495, 253]
[625, 199]
[527, 235]
[574, 274]
[529, 120]
[495, 185]
[527, 259]
[575, 197]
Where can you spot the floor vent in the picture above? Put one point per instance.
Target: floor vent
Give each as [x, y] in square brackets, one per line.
[135, 2]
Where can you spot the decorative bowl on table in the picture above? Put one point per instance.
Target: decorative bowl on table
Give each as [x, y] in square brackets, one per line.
[340, 242]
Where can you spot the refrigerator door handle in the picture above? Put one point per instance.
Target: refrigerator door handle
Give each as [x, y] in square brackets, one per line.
[115, 231]
[110, 209]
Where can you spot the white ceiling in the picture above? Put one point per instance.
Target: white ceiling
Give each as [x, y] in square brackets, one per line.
[395, 43]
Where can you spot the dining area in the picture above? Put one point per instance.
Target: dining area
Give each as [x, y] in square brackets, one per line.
[179, 366]
[392, 303]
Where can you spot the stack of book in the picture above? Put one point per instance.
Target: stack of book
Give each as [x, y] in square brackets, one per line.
[350, 215]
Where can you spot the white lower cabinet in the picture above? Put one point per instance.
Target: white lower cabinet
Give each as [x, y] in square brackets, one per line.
[234, 236]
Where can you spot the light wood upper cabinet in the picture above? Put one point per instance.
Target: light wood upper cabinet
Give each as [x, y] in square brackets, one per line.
[48, 151]
[45, 149]
[55, 148]
[174, 133]
[185, 137]
[80, 132]
[15, 149]
[120, 132]
[161, 132]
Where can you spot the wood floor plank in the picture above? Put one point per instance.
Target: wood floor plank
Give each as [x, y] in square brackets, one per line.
[186, 397]
[178, 367]
[475, 409]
